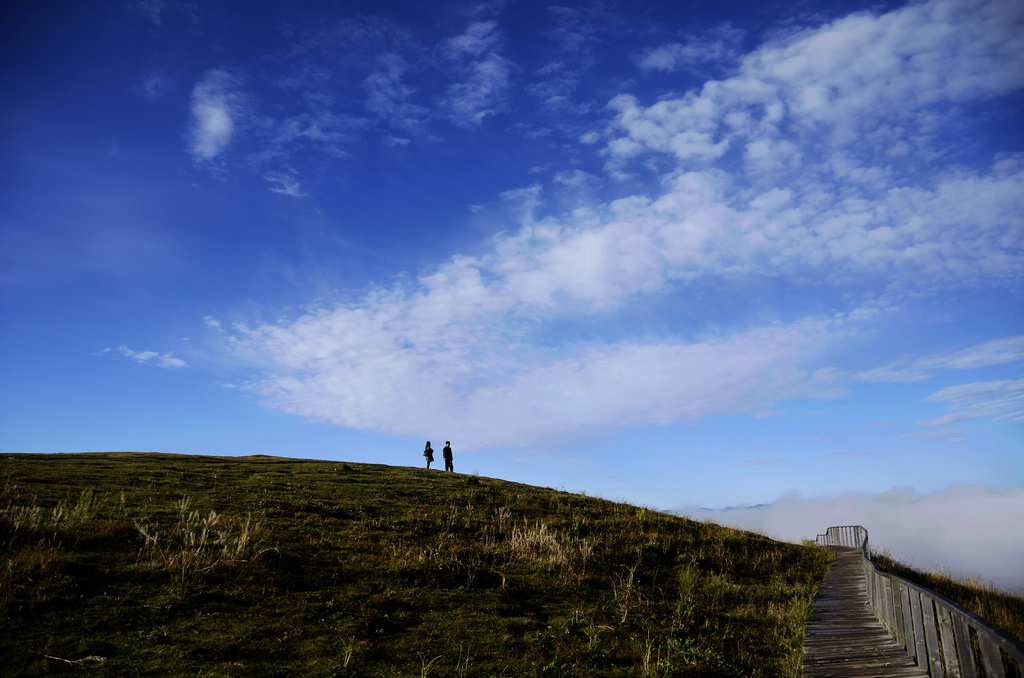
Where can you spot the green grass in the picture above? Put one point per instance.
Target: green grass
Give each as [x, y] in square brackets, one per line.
[145, 564]
[1001, 608]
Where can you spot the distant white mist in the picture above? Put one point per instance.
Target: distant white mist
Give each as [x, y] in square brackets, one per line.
[967, 531]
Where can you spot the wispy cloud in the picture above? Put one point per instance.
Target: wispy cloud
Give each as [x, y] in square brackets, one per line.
[996, 352]
[1001, 400]
[555, 84]
[149, 357]
[986, 354]
[571, 40]
[486, 74]
[715, 46]
[285, 184]
[213, 115]
[152, 10]
[157, 11]
[981, 400]
[155, 85]
[388, 95]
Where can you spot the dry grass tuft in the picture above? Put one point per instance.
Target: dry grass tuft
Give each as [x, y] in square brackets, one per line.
[540, 544]
[201, 542]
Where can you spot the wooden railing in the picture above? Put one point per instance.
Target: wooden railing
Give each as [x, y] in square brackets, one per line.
[939, 635]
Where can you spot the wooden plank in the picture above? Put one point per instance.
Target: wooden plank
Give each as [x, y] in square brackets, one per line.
[897, 606]
[946, 636]
[920, 651]
[991, 657]
[931, 637]
[964, 648]
[890, 607]
[886, 610]
[908, 619]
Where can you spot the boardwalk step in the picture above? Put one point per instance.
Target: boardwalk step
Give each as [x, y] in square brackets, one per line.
[842, 638]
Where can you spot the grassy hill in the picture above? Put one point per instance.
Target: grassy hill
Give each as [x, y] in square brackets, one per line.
[145, 564]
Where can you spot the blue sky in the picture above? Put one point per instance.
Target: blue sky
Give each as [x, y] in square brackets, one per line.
[681, 255]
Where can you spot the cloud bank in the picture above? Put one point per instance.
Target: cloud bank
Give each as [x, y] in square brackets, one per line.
[971, 532]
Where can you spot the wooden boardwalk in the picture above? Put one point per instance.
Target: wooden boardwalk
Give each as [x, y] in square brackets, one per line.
[842, 637]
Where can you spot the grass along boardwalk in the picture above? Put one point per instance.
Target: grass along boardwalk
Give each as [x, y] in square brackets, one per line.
[842, 637]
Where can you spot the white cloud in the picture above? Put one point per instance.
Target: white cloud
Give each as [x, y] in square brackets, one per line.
[681, 127]
[575, 178]
[968, 531]
[213, 113]
[985, 354]
[981, 400]
[715, 46]
[843, 118]
[401, 364]
[387, 94]
[763, 181]
[485, 74]
[322, 130]
[150, 357]
[555, 85]
[704, 224]
[1001, 400]
[855, 80]
[979, 390]
[457, 347]
[285, 184]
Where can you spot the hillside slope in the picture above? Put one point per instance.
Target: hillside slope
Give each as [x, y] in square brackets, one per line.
[146, 564]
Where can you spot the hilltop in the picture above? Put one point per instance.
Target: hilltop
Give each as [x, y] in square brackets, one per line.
[148, 564]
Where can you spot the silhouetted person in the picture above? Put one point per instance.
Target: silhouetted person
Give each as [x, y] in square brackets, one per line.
[447, 452]
[429, 454]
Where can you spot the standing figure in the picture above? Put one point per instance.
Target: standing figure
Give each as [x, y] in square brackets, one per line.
[429, 454]
[447, 452]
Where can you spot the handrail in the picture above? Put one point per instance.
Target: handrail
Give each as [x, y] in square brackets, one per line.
[845, 535]
[938, 634]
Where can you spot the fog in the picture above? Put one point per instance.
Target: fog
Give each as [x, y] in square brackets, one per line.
[967, 531]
